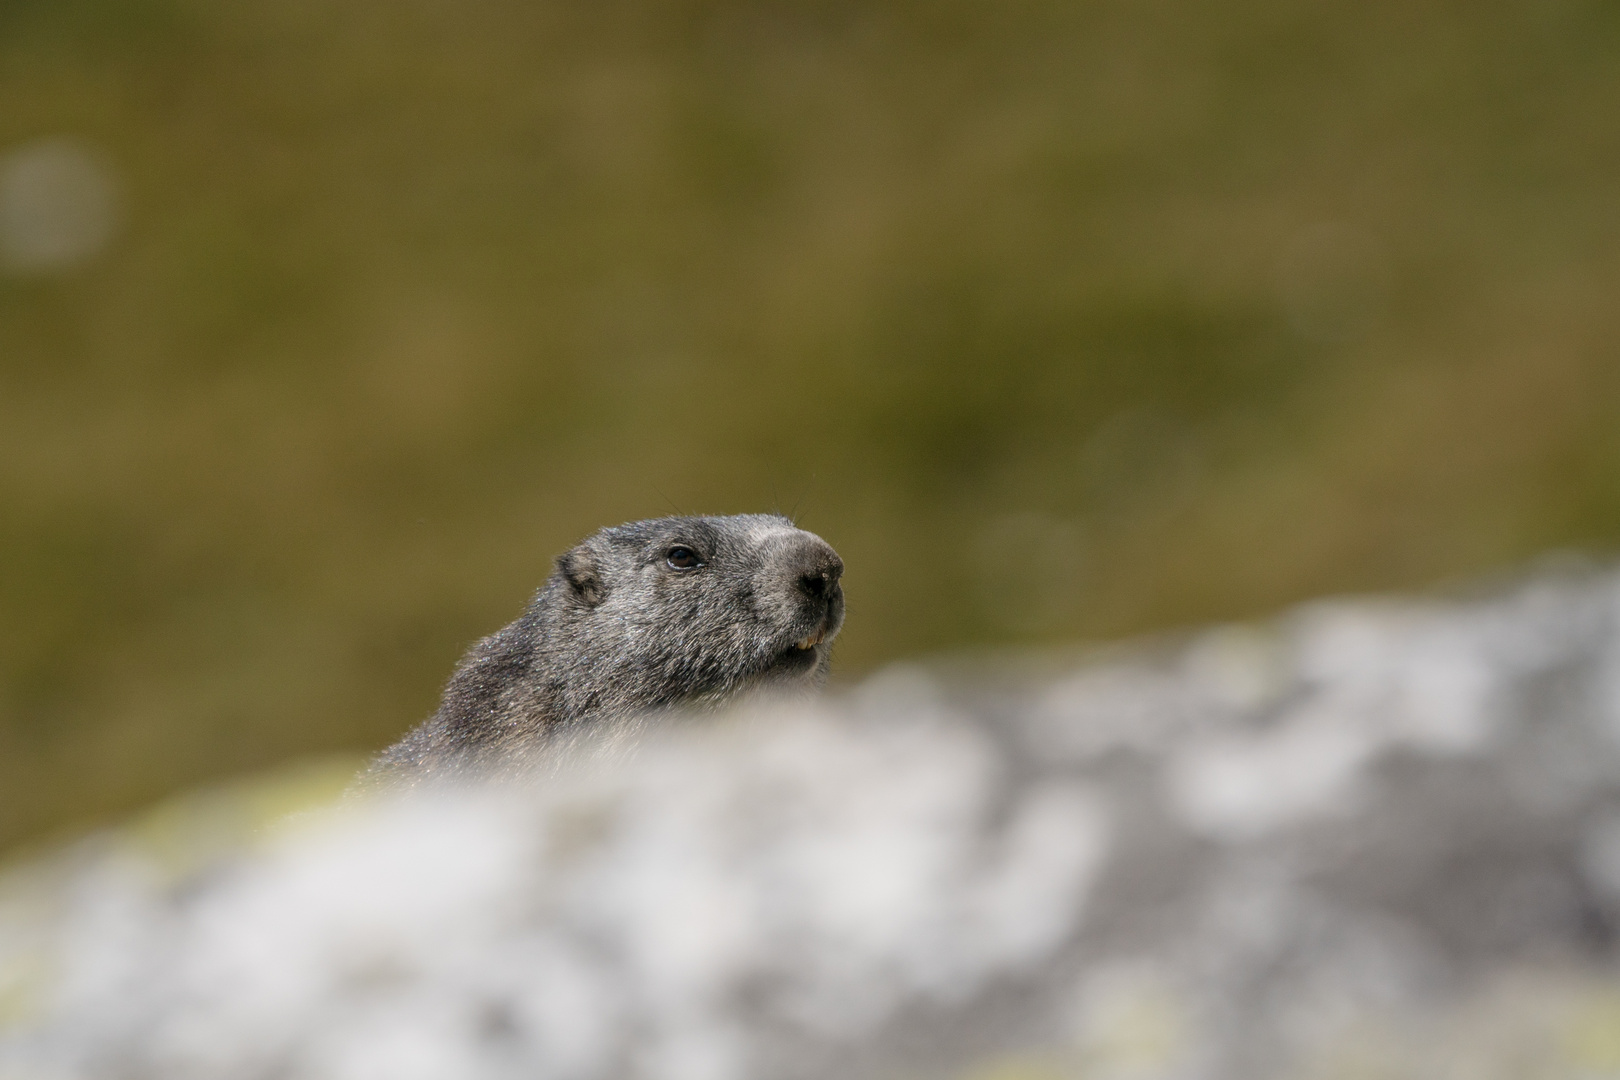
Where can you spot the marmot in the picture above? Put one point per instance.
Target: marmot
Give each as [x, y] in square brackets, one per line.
[652, 615]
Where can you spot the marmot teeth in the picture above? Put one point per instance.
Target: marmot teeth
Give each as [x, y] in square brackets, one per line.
[812, 641]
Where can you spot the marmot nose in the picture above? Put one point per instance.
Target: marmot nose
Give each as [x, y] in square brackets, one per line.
[820, 571]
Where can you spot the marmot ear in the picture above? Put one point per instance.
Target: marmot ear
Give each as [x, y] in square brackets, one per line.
[579, 569]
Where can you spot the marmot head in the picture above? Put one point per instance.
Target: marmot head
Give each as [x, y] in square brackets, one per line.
[681, 611]
[686, 609]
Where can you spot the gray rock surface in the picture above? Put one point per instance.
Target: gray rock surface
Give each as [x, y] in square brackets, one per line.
[1370, 839]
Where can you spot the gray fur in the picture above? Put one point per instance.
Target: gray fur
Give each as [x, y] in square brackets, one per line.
[617, 631]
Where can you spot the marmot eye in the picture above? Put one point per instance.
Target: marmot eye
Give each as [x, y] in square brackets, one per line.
[683, 558]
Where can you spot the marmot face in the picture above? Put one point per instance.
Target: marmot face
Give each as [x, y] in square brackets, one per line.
[695, 608]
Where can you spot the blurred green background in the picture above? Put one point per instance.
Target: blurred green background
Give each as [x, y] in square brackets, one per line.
[325, 325]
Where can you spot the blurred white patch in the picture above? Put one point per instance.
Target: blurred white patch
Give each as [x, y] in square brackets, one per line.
[58, 206]
[899, 690]
[1037, 882]
[1414, 675]
[1372, 676]
[696, 1047]
[1241, 668]
[1606, 676]
[1239, 787]
[1600, 852]
[1227, 674]
[1106, 707]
